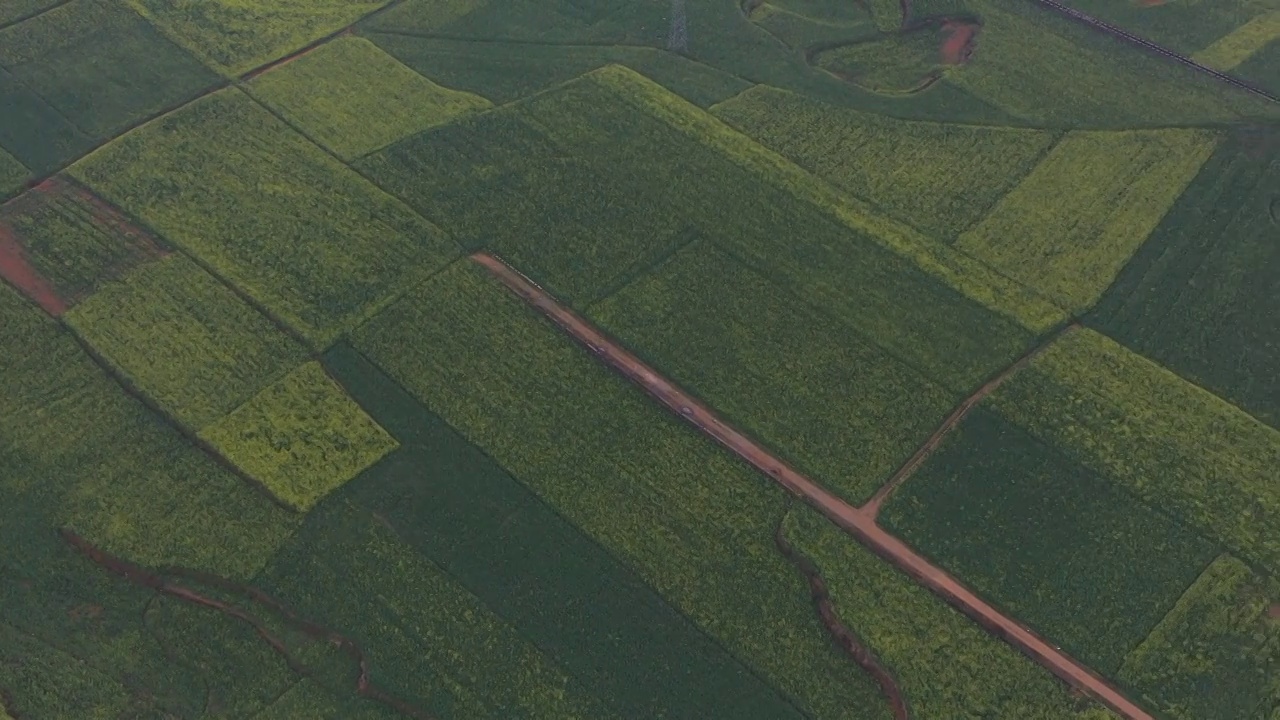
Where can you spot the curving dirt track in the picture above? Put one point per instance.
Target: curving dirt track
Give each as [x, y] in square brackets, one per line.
[156, 582]
[846, 638]
[872, 506]
[861, 525]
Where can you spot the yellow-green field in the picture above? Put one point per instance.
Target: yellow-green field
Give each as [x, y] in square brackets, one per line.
[1231, 50]
[1073, 223]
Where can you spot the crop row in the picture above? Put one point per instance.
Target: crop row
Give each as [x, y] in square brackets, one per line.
[456, 507]
[1070, 226]
[1199, 297]
[829, 400]
[305, 236]
[1048, 540]
[352, 98]
[939, 178]
[1174, 445]
[693, 522]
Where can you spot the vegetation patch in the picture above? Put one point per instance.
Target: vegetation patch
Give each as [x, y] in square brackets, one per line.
[114, 471]
[1046, 539]
[308, 699]
[185, 339]
[35, 133]
[1184, 27]
[940, 178]
[234, 36]
[1213, 657]
[75, 240]
[15, 10]
[1199, 297]
[896, 63]
[302, 437]
[1070, 226]
[828, 399]
[1175, 446]
[12, 174]
[100, 65]
[691, 520]
[947, 666]
[316, 244]
[1240, 44]
[353, 98]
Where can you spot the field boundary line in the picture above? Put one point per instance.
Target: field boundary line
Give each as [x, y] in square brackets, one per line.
[34, 15]
[857, 523]
[873, 506]
[1122, 34]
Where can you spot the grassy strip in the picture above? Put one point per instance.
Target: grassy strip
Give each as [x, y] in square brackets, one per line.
[1229, 51]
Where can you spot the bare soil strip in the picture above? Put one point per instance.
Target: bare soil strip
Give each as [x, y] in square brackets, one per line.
[1122, 34]
[17, 270]
[158, 583]
[859, 524]
[846, 638]
[872, 507]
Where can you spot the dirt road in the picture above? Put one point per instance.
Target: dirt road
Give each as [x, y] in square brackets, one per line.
[859, 524]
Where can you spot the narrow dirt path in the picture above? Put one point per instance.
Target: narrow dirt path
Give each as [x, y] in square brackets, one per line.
[158, 583]
[859, 524]
[873, 506]
[846, 638]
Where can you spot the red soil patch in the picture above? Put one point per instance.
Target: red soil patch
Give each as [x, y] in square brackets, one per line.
[959, 43]
[15, 268]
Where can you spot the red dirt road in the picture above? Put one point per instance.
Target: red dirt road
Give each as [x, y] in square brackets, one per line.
[861, 525]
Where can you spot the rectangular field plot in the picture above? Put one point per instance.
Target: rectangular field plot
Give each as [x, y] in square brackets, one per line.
[101, 65]
[1175, 446]
[116, 474]
[234, 36]
[822, 395]
[185, 339]
[302, 437]
[692, 521]
[308, 238]
[599, 620]
[33, 131]
[1082, 563]
[428, 641]
[1048, 68]
[940, 179]
[944, 664]
[75, 240]
[352, 98]
[1213, 657]
[607, 175]
[1201, 296]
[1073, 223]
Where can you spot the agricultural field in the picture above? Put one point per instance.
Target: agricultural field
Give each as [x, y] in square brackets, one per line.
[100, 65]
[352, 98]
[1173, 445]
[301, 436]
[1236, 47]
[1073, 556]
[945, 666]
[308, 239]
[1214, 655]
[835, 404]
[941, 179]
[12, 174]
[1073, 223]
[236, 36]
[1200, 296]
[33, 131]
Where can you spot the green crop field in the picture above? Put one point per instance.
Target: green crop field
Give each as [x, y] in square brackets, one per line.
[35, 133]
[302, 437]
[1200, 296]
[74, 240]
[235, 36]
[946, 666]
[604, 625]
[1231, 50]
[1213, 657]
[185, 339]
[12, 174]
[352, 98]
[831, 401]
[309, 239]
[1077, 559]
[942, 179]
[100, 65]
[1071, 225]
[1175, 446]
[692, 521]
[1262, 67]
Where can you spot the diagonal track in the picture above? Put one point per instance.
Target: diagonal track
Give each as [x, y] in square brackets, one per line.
[858, 523]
